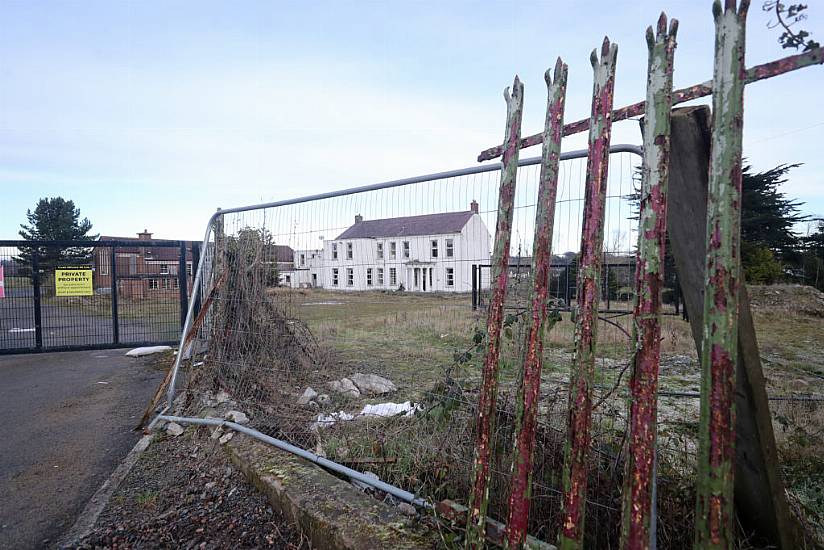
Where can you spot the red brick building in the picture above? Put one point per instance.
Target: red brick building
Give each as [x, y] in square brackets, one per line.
[142, 271]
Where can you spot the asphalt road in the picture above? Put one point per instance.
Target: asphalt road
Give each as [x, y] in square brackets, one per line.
[66, 423]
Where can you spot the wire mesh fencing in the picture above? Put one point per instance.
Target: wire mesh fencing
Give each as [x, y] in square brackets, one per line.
[348, 326]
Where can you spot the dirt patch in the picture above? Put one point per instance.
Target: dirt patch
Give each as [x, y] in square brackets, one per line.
[797, 299]
[184, 493]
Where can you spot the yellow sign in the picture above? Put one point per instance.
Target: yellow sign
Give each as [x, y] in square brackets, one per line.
[73, 281]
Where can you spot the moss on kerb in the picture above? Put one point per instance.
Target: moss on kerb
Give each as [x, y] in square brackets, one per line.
[331, 512]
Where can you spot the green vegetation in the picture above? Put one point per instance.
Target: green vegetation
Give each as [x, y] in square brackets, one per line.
[55, 219]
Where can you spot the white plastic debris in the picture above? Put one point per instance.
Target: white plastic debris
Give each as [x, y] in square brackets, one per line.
[148, 350]
[407, 408]
[325, 420]
[383, 410]
[226, 438]
[237, 417]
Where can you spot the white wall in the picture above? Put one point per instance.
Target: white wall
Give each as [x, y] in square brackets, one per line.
[471, 246]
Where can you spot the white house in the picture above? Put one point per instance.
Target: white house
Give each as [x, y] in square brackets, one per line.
[428, 253]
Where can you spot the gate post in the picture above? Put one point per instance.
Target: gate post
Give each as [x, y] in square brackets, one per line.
[38, 314]
[195, 264]
[113, 284]
[182, 286]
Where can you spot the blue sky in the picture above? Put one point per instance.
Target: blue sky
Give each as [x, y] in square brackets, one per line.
[152, 114]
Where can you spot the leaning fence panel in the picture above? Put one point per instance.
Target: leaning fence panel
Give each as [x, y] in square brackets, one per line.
[366, 299]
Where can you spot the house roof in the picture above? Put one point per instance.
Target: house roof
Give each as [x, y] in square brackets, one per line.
[409, 226]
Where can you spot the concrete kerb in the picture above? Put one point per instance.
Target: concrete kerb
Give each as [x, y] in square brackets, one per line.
[330, 511]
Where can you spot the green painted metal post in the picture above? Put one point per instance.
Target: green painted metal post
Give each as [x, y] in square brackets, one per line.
[487, 400]
[527, 408]
[719, 350]
[576, 449]
[639, 475]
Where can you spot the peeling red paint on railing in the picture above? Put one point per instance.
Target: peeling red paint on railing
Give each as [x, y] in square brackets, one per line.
[527, 407]
[753, 74]
[716, 451]
[639, 472]
[576, 449]
[487, 400]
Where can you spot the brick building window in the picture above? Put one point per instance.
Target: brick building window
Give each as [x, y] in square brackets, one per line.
[153, 284]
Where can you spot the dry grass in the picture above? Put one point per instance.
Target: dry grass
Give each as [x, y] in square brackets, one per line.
[414, 340]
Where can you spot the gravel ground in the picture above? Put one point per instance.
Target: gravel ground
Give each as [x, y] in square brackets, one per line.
[184, 493]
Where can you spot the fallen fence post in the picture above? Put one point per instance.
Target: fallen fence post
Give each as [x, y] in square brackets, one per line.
[527, 407]
[639, 475]
[487, 401]
[719, 350]
[576, 448]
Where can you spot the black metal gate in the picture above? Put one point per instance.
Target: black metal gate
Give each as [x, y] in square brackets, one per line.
[58, 296]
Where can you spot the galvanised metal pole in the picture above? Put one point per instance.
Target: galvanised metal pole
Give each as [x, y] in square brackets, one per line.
[639, 474]
[488, 398]
[114, 297]
[753, 74]
[576, 448]
[719, 346]
[527, 408]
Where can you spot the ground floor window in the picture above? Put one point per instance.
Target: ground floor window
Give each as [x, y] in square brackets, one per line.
[335, 277]
[450, 276]
[153, 284]
[350, 276]
[368, 276]
[393, 276]
[380, 276]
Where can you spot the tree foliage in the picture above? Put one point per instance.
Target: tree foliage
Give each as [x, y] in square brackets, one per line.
[253, 251]
[55, 219]
[786, 17]
[767, 215]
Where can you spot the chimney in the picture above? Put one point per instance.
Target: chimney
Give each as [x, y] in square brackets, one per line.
[473, 206]
[358, 218]
[145, 236]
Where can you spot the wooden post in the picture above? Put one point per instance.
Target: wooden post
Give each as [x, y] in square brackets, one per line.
[527, 408]
[488, 398]
[639, 475]
[576, 449]
[756, 463]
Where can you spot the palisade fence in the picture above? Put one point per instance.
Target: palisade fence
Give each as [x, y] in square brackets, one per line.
[359, 329]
